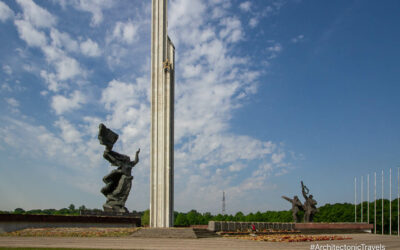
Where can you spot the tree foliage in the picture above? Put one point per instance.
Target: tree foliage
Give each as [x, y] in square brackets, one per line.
[339, 212]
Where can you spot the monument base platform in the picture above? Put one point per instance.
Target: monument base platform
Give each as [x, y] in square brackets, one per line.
[274, 227]
[179, 233]
[315, 228]
[14, 222]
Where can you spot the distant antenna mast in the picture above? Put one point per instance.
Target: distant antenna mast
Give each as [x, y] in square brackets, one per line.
[223, 202]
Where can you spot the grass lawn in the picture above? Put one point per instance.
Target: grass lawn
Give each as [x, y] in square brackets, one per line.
[41, 248]
[73, 232]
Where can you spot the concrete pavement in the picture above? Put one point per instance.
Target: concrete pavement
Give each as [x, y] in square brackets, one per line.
[390, 242]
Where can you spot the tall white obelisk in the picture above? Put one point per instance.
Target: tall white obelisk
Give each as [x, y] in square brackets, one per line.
[162, 120]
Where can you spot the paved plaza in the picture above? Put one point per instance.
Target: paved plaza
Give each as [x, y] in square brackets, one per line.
[390, 242]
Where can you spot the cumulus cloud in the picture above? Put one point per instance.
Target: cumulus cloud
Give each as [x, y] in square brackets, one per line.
[245, 6]
[236, 167]
[36, 15]
[67, 68]
[52, 82]
[29, 34]
[211, 84]
[63, 40]
[7, 69]
[274, 50]
[278, 157]
[5, 12]
[62, 104]
[232, 30]
[59, 152]
[68, 132]
[253, 22]
[125, 32]
[123, 99]
[95, 7]
[90, 48]
[298, 38]
[12, 102]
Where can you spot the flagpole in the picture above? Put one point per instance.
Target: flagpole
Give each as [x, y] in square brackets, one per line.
[361, 201]
[355, 199]
[382, 204]
[390, 202]
[375, 202]
[368, 199]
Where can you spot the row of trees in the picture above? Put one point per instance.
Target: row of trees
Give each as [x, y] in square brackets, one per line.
[71, 210]
[339, 212]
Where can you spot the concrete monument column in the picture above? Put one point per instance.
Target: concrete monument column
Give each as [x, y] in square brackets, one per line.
[162, 120]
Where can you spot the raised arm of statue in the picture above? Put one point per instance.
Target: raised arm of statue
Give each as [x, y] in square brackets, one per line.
[133, 163]
[303, 191]
[287, 198]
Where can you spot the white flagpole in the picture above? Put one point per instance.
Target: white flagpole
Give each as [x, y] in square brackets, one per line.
[375, 202]
[355, 199]
[390, 202]
[362, 205]
[382, 203]
[368, 199]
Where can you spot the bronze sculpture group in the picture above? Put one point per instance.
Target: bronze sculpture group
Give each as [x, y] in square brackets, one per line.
[118, 181]
[309, 207]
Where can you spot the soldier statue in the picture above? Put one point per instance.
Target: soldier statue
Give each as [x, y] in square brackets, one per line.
[296, 206]
[310, 205]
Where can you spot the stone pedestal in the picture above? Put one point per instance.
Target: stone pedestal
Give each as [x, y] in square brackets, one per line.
[162, 120]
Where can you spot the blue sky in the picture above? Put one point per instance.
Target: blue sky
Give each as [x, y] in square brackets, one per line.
[268, 93]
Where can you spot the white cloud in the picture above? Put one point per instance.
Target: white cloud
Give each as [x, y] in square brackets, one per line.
[278, 157]
[275, 48]
[236, 167]
[5, 87]
[253, 22]
[52, 82]
[95, 7]
[124, 100]
[67, 68]
[62, 104]
[76, 150]
[90, 48]
[12, 102]
[245, 6]
[30, 35]
[210, 85]
[68, 132]
[7, 69]
[297, 39]
[186, 11]
[125, 32]
[5, 12]
[63, 40]
[232, 31]
[36, 15]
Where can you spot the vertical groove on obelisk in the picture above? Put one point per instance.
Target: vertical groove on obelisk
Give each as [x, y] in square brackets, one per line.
[152, 125]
